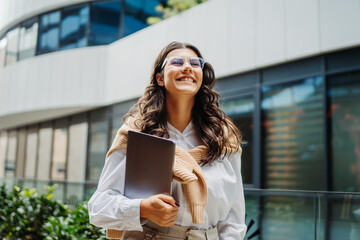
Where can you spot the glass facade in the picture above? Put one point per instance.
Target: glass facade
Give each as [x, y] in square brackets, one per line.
[105, 19]
[87, 24]
[76, 167]
[3, 44]
[3, 147]
[49, 32]
[45, 149]
[58, 169]
[98, 144]
[20, 153]
[293, 135]
[135, 16]
[31, 154]
[12, 46]
[241, 110]
[11, 154]
[344, 100]
[77, 152]
[73, 31]
[28, 38]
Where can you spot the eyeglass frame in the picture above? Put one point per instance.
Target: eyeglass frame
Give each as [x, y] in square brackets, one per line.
[188, 59]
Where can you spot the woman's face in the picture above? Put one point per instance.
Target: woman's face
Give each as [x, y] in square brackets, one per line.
[181, 80]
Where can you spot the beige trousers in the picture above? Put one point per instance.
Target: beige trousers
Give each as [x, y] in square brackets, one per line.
[175, 232]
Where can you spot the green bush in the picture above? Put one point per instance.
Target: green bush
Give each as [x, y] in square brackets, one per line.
[75, 226]
[26, 215]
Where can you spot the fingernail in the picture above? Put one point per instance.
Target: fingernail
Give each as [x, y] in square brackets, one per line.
[177, 204]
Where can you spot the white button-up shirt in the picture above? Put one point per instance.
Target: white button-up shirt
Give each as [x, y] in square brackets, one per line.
[225, 207]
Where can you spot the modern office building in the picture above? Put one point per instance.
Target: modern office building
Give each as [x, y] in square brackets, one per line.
[288, 73]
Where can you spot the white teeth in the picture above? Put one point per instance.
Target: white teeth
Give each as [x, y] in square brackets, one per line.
[187, 79]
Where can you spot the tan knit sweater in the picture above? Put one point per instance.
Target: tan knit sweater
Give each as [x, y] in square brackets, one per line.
[186, 171]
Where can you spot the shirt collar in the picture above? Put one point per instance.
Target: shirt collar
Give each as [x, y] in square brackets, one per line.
[188, 129]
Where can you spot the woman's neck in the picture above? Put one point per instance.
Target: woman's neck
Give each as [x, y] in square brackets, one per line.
[179, 112]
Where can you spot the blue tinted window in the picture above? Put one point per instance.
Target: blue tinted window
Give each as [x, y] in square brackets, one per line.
[49, 32]
[105, 22]
[73, 27]
[150, 7]
[136, 14]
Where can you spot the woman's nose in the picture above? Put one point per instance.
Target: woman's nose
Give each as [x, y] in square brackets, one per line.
[187, 66]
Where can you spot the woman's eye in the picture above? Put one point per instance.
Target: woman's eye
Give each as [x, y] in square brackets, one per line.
[177, 62]
[195, 62]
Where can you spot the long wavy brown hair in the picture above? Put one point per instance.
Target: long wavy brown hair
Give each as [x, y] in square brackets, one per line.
[213, 127]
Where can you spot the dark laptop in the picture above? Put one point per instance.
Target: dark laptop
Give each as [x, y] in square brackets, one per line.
[149, 164]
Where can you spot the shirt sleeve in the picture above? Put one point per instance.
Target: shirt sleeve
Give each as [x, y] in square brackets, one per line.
[233, 227]
[107, 207]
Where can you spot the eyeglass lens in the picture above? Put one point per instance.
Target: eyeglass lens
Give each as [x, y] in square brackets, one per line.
[194, 62]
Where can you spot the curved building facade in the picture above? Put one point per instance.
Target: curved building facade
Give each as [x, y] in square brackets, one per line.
[288, 73]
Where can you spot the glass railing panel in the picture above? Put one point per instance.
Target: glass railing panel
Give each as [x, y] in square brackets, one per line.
[270, 214]
[284, 214]
[75, 193]
[90, 188]
[253, 216]
[281, 214]
[342, 212]
[288, 218]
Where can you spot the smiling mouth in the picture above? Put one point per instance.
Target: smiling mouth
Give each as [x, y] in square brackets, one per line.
[190, 80]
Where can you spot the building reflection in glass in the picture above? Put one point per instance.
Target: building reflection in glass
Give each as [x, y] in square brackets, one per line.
[240, 110]
[293, 135]
[344, 94]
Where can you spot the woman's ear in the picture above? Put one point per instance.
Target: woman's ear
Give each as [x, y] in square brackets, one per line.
[160, 79]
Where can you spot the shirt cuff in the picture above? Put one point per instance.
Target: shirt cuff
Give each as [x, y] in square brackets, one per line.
[130, 210]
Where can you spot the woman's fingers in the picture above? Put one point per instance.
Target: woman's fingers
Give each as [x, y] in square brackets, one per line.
[168, 199]
[160, 209]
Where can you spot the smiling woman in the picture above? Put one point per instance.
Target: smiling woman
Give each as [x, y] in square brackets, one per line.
[181, 80]
[179, 104]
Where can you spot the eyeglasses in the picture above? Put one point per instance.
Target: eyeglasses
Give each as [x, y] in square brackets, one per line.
[179, 62]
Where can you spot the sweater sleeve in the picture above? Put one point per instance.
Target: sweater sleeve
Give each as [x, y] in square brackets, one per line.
[108, 208]
[233, 227]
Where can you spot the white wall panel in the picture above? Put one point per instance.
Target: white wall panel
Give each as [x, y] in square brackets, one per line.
[270, 28]
[70, 81]
[195, 27]
[43, 70]
[57, 77]
[242, 35]
[35, 97]
[339, 23]
[217, 38]
[301, 28]
[25, 85]
[175, 29]
[5, 91]
[12, 89]
[130, 62]
[124, 64]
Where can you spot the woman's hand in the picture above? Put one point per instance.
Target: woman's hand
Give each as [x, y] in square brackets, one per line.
[160, 209]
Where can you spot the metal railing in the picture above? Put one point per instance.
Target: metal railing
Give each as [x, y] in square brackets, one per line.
[270, 214]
